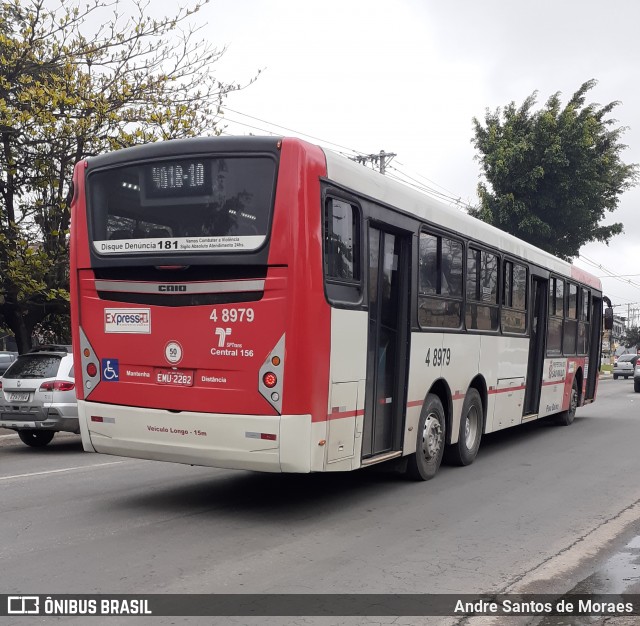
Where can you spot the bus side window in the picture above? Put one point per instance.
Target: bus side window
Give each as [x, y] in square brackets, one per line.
[514, 298]
[440, 282]
[342, 251]
[571, 321]
[482, 290]
[556, 315]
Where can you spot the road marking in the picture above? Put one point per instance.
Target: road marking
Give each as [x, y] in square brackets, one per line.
[66, 469]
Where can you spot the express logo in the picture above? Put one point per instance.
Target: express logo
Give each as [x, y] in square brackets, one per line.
[120, 319]
[127, 321]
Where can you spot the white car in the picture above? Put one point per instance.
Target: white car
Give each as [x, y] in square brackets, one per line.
[37, 395]
[625, 365]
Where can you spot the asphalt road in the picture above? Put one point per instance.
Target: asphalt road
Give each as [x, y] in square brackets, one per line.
[76, 523]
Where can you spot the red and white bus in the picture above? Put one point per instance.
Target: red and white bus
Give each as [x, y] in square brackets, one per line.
[261, 303]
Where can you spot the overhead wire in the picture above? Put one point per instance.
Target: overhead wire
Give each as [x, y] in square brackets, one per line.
[401, 177]
[405, 178]
[430, 190]
[428, 180]
[291, 130]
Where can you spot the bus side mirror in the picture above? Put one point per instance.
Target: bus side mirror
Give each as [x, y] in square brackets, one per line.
[608, 318]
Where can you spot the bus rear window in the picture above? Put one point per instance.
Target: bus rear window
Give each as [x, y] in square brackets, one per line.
[196, 204]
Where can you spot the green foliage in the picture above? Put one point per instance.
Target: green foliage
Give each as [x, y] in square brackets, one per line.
[552, 175]
[67, 92]
[632, 337]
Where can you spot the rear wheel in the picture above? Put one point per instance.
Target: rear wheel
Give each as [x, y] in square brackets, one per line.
[566, 417]
[424, 464]
[36, 438]
[615, 377]
[636, 386]
[465, 450]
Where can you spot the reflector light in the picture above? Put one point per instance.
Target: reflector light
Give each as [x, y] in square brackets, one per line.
[57, 385]
[86, 352]
[270, 380]
[268, 436]
[92, 370]
[0, 384]
[96, 418]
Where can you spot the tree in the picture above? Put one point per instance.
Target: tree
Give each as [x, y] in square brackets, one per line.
[553, 174]
[632, 337]
[67, 92]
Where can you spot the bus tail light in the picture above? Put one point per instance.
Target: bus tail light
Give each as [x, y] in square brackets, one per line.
[271, 376]
[270, 380]
[90, 365]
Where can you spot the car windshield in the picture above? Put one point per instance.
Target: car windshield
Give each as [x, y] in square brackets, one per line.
[34, 366]
[626, 357]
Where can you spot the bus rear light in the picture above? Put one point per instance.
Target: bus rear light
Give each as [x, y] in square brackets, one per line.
[270, 380]
[57, 385]
[92, 370]
[271, 376]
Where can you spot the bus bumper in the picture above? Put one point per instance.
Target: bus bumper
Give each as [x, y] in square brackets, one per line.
[263, 443]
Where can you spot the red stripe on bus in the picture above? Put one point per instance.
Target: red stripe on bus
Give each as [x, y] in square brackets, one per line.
[506, 389]
[342, 414]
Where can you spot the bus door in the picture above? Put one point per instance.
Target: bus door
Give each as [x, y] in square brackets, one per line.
[387, 344]
[538, 328]
[595, 344]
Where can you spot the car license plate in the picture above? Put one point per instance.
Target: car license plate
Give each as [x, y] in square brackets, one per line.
[19, 396]
[181, 378]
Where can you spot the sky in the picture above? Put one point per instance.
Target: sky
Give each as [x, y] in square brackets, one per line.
[409, 76]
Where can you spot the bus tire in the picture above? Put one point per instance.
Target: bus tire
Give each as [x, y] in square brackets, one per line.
[566, 417]
[431, 435]
[36, 438]
[471, 422]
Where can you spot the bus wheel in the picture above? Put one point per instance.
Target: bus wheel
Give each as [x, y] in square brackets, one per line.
[466, 449]
[566, 417]
[36, 438]
[424, 464]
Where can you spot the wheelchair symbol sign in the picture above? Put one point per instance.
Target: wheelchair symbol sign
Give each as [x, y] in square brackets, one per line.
[110, 370]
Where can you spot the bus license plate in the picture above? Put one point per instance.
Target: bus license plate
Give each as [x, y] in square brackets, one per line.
[181, 378]
[19, 396]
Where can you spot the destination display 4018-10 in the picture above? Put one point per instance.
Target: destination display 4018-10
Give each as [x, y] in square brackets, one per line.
[177, 179]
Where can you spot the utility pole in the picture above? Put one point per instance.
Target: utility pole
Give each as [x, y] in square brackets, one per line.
[381, 160]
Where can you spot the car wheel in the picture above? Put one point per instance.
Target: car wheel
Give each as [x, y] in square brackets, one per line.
[566, 417]
[465, 450]
[36, 438]
[636, 386]
[626, 377]
[424, 464]
[615, 377]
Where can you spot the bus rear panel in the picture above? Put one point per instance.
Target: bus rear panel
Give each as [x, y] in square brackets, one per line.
[184, 329]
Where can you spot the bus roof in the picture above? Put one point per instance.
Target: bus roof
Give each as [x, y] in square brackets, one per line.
[352, 175]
